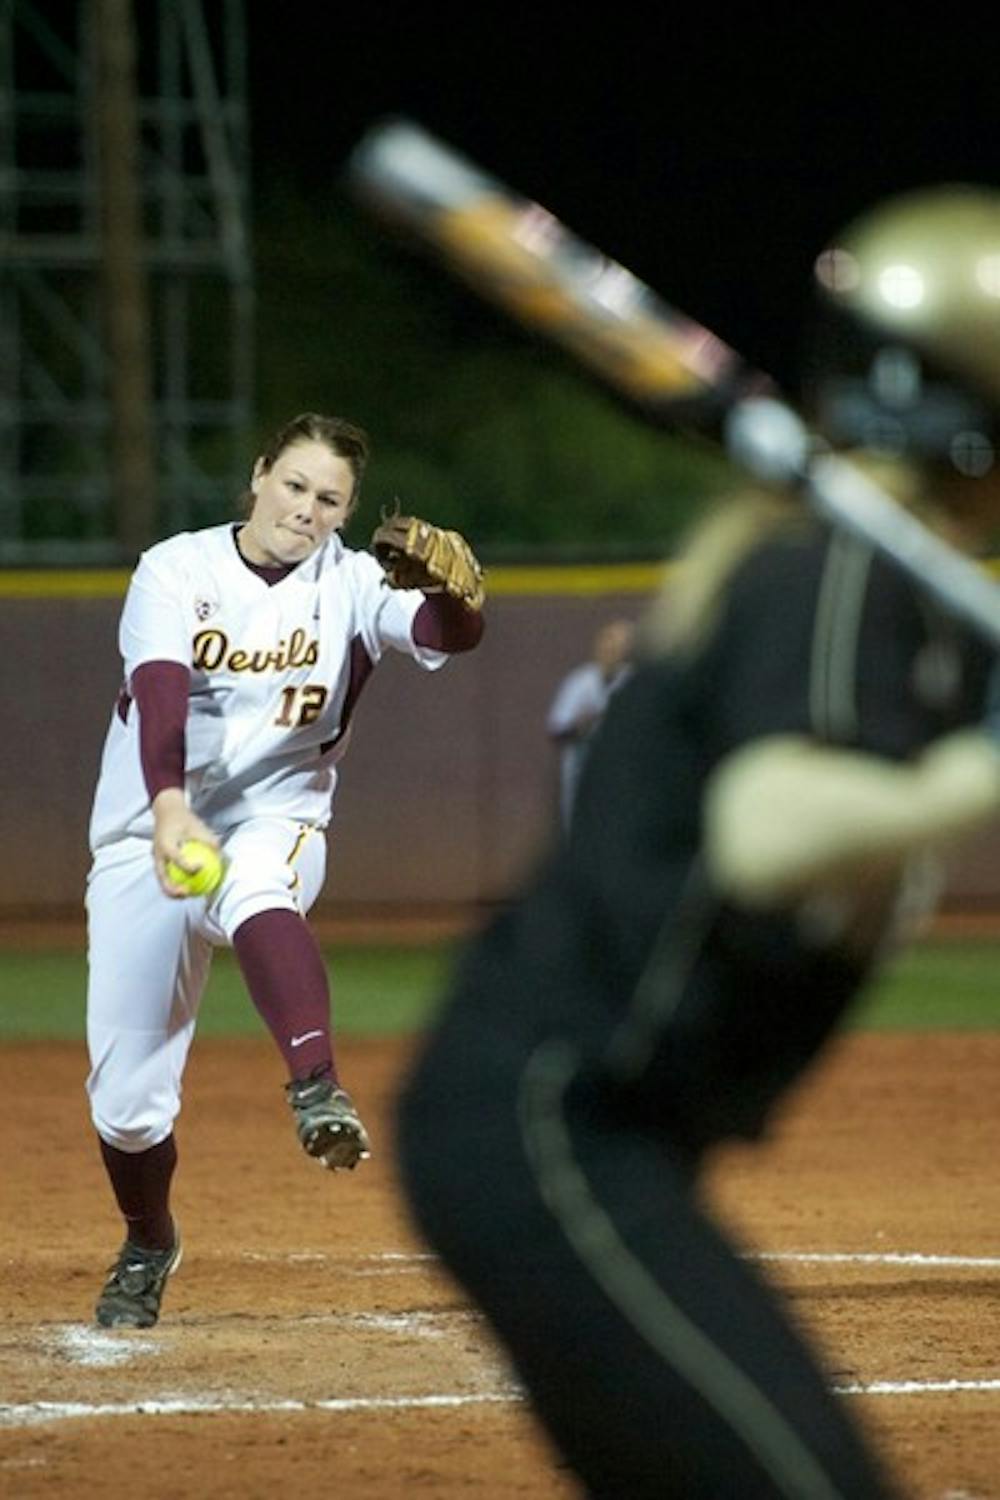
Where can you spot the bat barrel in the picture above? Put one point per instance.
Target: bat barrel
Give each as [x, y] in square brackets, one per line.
[519, 255]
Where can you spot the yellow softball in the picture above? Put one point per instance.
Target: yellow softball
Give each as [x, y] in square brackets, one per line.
[206, 878]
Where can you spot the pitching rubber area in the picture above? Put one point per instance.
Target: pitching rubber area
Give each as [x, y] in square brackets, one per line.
[309, 1342]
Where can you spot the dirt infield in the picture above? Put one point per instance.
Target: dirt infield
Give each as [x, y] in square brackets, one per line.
[308, 1344]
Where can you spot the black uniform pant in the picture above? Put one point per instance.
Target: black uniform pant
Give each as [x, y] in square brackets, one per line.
[659, 1362]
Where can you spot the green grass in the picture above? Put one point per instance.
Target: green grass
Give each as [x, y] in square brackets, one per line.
[376, 992]
[385, 991]
[933, 986]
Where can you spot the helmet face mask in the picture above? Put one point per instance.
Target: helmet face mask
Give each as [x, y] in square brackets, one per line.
[885, 397]
[905, 359]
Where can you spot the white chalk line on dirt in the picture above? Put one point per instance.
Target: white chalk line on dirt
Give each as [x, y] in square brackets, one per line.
[914, 1387]
[395, 1261]
[434, 1325]
[80, 1344]
[387, 1263]
[35, 1413]
[83, 1345]
[880, 1258]
[383, 1257]
[32, 1413]
[91, 1347]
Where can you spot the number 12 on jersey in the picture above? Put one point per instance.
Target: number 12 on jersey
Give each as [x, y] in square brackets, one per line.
[301, 706]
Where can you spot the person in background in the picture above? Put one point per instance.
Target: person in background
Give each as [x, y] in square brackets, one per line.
[245, 647]
[581, 700]
[804, 721]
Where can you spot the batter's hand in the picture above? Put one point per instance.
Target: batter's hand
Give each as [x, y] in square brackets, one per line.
[173, 824]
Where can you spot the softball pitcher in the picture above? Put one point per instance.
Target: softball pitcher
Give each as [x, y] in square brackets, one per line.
[245, 647]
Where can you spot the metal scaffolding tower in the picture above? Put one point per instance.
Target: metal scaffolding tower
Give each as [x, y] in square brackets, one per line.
[126, 282]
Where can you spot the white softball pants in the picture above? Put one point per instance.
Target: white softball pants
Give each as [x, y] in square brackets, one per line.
[149, 959]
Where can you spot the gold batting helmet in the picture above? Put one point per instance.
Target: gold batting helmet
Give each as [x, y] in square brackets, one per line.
[906, 357]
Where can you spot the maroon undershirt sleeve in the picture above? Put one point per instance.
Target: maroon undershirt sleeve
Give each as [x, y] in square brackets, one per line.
[160, 693]
[444, 624]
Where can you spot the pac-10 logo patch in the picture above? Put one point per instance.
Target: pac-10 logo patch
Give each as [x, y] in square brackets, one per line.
[205, 608]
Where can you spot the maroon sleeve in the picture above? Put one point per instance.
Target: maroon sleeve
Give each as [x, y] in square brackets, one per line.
[160, 692]
[444, 624]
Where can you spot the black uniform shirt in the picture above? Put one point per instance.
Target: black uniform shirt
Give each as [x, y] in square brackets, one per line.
[816, 636]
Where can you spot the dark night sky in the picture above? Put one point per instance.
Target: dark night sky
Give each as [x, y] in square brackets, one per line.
[711, 153]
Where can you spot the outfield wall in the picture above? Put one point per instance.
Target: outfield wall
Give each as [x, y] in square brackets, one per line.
[448, 790]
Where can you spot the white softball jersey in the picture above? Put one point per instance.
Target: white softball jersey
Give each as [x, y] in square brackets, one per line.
[273, 669]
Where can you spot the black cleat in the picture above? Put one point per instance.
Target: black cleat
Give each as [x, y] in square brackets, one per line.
[133, 1292]
[327, 1123]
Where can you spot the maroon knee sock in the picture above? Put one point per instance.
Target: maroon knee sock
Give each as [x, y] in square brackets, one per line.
[286, 976]
[141, 1183]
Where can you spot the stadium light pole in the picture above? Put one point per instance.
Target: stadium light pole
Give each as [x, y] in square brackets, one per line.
[125, 292]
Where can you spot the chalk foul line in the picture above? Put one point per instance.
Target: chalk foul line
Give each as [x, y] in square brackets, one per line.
[93, 1349]
[879, 1258]
[396, 1261]
[914, 1387]
[30, 1412]
[33, 1413]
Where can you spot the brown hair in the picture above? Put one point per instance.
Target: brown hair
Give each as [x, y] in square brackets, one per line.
[340, 436]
